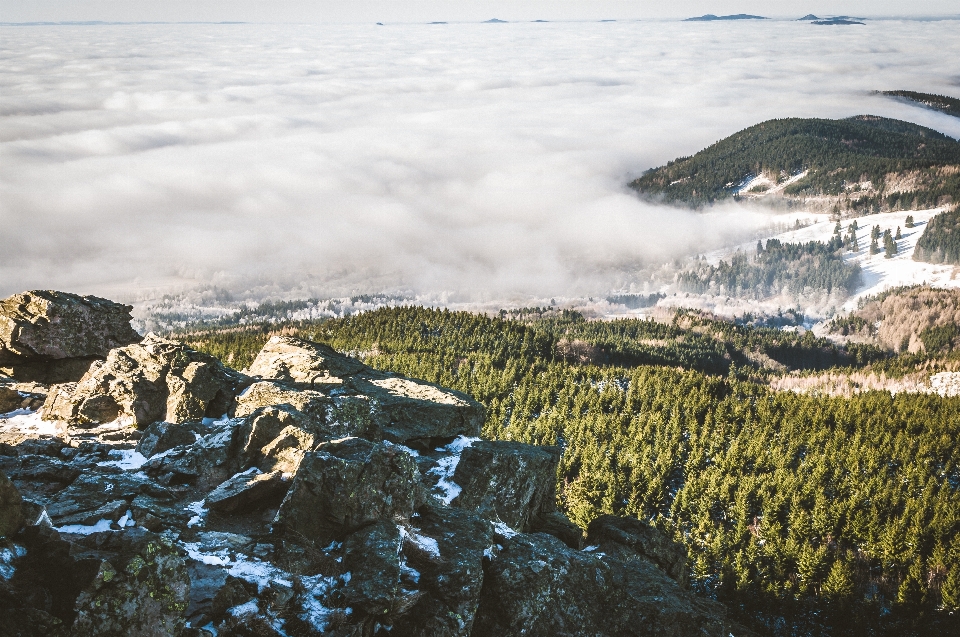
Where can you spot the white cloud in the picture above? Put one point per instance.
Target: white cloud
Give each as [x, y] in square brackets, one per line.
[481, 160]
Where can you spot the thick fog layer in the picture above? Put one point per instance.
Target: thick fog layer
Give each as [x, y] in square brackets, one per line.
[479, 160]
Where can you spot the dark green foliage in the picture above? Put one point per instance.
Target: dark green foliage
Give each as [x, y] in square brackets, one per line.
[800, 268]
[835, 152]
[809, 515]
[889, 245]
[940, 241]
[909, 222]
[949, 105]
[635, 301]
[940, 338]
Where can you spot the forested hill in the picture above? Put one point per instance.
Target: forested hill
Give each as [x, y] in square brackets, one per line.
[865, 151]
[943, 103]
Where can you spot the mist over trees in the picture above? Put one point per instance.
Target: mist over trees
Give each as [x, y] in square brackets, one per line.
[797, 268]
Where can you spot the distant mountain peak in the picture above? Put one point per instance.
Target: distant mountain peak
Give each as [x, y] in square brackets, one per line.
[709, 17]
[494, 21]
[809, 16]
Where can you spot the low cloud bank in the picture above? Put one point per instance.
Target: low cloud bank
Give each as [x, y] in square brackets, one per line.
[477, 161]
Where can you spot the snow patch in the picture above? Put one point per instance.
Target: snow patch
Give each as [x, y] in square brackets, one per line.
[316, 589]
[503, 529]
[411, 573]
[84, 529]
[249, 608]
[25, 421]
[199, 512]
[127, 459]
[7, 556]
[446, 467]
[402, 448]
[427, 544]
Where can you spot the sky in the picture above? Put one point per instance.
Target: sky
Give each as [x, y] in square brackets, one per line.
[313, 11]
[469, 161]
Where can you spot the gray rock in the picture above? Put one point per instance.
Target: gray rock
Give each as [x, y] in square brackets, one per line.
[304, 363]
[90, 492]
[142, 590]
[312, 404]
[451, 579]
[630, 539]
[50, 336]
[163, 436]
[372, 557]
[153, 380]
[417, 413]
[407, 411]
[537, 586]
[10, 399]
[511, 479]
[285, 452]
[346, 484]
[11, 511]
[207, 462]
[325, 417]
[246, 491]
[559, 526]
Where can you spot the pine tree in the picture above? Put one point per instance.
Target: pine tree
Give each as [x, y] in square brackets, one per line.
[839, 582]
[889, 245]
[899, 235]
[874, 246]
[909, 223]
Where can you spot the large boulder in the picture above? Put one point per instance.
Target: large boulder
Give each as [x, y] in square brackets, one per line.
[444, 553]
[373, 558]
[11, 503]
[346, 484]
[407, 411]
[207, 462]
[141, 589]
[417, 413]
[512, 480]
[304, 363]
[93, 497]
[537, 586]
[630, 539]
[156, 379]
[53, 337]
[328, 417]
[247, 490]
[10, 399]
[163, 436]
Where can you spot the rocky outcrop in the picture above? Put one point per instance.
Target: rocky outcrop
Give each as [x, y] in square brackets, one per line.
[11, 515]
[322, 498]
[629, 539]
[140, 590]
[528, 588]
[304, 364]
[509, 480]
[53, 337]
[10, 399]
[347, 484]
[153, 380]
[407, 411]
